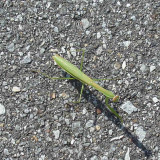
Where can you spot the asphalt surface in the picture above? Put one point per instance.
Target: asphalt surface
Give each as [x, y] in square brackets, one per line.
[38, 120]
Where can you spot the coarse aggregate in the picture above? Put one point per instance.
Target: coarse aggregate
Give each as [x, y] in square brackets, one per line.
[38, 120]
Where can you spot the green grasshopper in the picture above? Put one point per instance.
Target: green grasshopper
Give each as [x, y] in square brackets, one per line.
[84, 79]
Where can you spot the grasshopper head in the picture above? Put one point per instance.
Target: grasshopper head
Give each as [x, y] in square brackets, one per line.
[115, 99]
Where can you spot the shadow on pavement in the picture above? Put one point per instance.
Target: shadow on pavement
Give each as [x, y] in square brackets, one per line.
[110, 116]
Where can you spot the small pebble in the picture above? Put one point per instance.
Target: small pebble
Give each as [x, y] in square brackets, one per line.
[48, 4]
[2, 109]
[55, 29]
[53, 95]
[92, 129]
[6, 152]
[76, 125]
[116, 138]
[132, 128]
[20, 53]
[34, 137]
[87, 32]
[127, 157]
[56, 134]
[94, 158]
[119, 3]
[133, 18]
[72, 141]
[26, 111]
[140, 133]
[110, 132]
[27, 47]
[42, 157]
[128, 5]
[128, 107]
[10, 47]
[19, 18]
[98, 35]
[98, 111]
[1, 124]
[26, 60]
[63, 94]
[104, 158]
[67, 121]
[16, 89]
[42, 50]
[143, 68]
[17, 127]
[84, 111]
[159, 155]
[89, 124]
[99, 50]
[73, 115]
[112, 148]
[63, 49]
[152, 68]
[49, 139]
[155, 99]
[85, 23]
[98, 127]
[73, 51]
[124, 65]
[117, 66]
[126, 43]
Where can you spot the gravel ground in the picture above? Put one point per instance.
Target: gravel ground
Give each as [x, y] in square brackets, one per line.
[37, 119]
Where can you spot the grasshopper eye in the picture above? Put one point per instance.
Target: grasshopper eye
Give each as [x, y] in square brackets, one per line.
[115, 99]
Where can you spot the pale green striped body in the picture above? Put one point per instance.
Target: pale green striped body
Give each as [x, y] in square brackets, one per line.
[79, 75]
